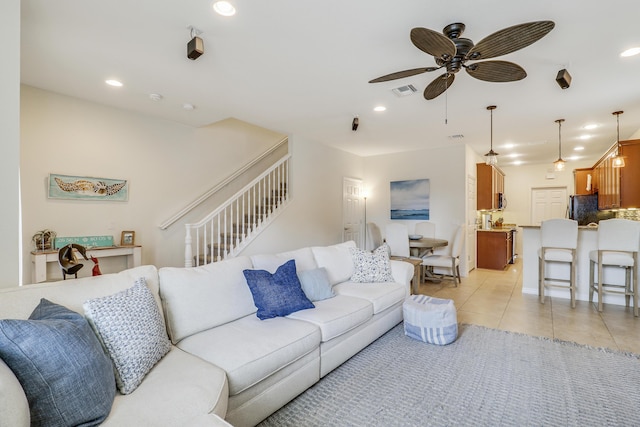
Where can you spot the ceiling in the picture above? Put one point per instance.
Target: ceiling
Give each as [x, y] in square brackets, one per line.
[302, 68]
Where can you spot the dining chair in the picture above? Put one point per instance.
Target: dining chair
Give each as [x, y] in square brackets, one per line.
[450, 260]
[618, 244]
[426, 229]
[558, 244]
[397, 237]
[374, 236]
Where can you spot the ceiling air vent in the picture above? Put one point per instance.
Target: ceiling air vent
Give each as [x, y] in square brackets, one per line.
[456, 137]
[404, 90]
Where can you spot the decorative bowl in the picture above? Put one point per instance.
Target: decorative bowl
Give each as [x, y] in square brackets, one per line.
[415, 236]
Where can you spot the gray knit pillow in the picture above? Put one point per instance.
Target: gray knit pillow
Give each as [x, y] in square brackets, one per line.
[132, 331]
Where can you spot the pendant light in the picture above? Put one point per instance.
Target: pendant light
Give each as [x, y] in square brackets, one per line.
[618, 160]
[558, 165]
[491, 158]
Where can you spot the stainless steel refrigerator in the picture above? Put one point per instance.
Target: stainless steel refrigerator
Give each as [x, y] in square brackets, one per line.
[584, 209]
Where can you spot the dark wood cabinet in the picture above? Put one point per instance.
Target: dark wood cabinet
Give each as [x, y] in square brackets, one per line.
[495, 249]
[618, 187]
[490, 187]
[581, 179]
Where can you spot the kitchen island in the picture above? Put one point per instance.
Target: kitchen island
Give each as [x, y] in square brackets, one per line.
[587, 241]
[495, 247]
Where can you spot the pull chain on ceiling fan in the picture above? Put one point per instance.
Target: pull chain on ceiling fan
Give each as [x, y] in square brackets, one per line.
[452, 52]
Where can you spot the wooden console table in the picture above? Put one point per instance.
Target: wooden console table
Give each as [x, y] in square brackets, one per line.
[41, 258]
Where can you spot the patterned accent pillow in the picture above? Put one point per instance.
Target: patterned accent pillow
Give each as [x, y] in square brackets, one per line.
[63, 370]
[277, 294]
[132, 331]
[371, 267]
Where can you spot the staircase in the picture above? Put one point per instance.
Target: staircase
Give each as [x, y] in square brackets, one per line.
[226, 231]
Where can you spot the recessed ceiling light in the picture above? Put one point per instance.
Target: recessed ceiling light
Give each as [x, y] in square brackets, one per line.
[224, 8]
[113, 83]
[578, 148]
[517, 162]
[509, 145]
[630, 52]
[584, 137]
[188, 107]
[155, 97]
[380, 108]
[513, 155]
[590, 126]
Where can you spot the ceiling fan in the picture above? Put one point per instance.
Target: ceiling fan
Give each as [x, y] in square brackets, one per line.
[452, 52]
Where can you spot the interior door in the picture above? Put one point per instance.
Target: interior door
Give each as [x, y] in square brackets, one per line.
[352, 211]
[547, 203]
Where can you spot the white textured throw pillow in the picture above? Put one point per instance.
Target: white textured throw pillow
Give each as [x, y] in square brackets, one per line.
[371, 267]
[132, 331]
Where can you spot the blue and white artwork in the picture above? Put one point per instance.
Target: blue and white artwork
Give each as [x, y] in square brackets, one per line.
[410, 199]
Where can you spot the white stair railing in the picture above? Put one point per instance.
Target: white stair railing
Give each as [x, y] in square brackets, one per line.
[233, 225]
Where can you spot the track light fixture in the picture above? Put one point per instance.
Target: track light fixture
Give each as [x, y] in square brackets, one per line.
[355, 123]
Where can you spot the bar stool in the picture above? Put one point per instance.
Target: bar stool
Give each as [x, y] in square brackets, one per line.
[559, 240]
[618, 243]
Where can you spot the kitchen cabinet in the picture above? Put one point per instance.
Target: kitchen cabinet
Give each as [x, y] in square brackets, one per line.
[618, 187]
[494, 248]
[580, 180]
[490, 187]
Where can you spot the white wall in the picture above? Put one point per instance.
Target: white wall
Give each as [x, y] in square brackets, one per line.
[168, 165]
[446, 168]
[10, 142]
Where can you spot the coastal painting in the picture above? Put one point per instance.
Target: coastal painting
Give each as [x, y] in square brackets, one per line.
[410, 199]
[87, 188]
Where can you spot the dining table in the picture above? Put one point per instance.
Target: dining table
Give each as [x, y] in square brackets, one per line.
[422, 246]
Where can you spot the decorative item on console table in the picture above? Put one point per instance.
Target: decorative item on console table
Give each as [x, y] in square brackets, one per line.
[43, 239]
[127, 238]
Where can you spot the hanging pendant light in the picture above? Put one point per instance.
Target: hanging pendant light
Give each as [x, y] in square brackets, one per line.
[491, 158]
[618, 160]
[558, 165]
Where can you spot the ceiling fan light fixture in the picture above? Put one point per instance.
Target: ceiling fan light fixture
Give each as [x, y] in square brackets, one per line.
[491, 158]
[618, 160]
[559, 164]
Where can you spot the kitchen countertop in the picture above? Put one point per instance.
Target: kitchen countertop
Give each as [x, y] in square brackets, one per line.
[580, 227]
[502, 229]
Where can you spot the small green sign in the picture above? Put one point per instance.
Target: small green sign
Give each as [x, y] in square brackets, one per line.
[86, 241]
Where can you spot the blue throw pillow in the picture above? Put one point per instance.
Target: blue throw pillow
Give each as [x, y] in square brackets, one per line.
[315, 284]
[277, 294]
[61, 365]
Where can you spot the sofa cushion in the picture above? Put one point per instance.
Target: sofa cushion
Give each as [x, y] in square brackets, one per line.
[315, 284]
[270, 262]
[277, 294]
[380, 295]
[65, 374]
[336, 259]
[181, 387]
[371, 267]
[250, 349]
[132, 329]
[199, 298]
[337, 315]
[14, 405]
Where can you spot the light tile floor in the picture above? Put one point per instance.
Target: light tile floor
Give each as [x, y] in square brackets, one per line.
[495, 299]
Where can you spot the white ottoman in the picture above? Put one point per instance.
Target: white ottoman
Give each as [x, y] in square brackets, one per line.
[432, 320]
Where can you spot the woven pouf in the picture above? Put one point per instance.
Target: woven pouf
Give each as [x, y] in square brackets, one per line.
[432, 320]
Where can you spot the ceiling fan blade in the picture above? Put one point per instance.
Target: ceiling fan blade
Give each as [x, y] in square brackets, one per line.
[510, 39]
[496, 71]
[433, 43]
[439, 85]
[401, 74]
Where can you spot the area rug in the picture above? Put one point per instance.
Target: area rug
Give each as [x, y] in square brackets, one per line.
[485, 378]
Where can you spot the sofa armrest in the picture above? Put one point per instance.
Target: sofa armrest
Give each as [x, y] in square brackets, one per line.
[402, 273]
[14, 406]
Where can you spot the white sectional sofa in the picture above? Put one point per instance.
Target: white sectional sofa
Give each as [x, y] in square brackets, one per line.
[225, 363]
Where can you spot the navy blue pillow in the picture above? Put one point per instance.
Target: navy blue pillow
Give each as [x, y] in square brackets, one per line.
[61, 365]
[277, 294]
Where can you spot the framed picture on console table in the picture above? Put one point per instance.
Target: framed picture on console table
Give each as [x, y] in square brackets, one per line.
[128, 238]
